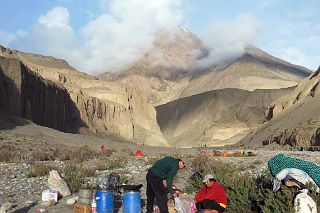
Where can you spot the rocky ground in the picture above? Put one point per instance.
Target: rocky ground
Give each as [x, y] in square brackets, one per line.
[23, 193]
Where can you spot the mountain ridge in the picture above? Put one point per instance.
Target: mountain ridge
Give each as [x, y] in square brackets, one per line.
[255, 69]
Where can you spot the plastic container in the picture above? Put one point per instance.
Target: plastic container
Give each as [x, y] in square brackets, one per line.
[131, 202]
[49, 194]
[93, 203]
[105, 201]
[85, 193]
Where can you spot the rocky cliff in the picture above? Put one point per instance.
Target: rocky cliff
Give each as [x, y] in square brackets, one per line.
[102, 107]
[294, 119]
[26, 94]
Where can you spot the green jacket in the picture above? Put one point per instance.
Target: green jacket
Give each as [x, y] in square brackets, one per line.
[166, 168]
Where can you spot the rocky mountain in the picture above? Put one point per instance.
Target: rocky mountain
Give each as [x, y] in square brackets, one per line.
[255, 69]
[51, 93]
[164, 71]
[123, 103]
[26, 94]
[293, 119]
[169, 71]
[215, 118]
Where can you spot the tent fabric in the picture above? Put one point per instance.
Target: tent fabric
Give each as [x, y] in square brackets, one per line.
[138, 153]
[297, 174]
[280, 162]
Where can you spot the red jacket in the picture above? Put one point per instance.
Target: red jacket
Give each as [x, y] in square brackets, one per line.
[216, 193]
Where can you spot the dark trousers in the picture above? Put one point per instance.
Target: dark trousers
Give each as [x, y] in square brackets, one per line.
[155, 190]
[209, 204]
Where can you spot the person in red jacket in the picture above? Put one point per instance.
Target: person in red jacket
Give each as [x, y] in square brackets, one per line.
[212, 196]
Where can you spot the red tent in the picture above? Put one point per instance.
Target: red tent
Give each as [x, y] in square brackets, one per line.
[138, 153]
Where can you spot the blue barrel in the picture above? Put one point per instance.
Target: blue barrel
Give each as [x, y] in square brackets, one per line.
[105, 201]
[131, 202]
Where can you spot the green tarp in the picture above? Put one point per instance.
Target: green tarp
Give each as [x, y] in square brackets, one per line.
[280, 162]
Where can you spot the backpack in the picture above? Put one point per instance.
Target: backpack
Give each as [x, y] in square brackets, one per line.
[113, 182]
[110, 182]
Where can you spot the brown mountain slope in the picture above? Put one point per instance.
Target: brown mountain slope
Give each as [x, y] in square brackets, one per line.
[254, 70]
[164, 71]
[103, 107]
[214, 118]
[293, 119]
[169, 71]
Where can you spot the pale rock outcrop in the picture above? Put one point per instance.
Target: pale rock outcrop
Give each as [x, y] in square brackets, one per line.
[103, 116]
[307, 88]
[55, 182]
[294, 119]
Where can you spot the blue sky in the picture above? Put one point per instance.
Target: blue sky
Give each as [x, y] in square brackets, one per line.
[80, 31]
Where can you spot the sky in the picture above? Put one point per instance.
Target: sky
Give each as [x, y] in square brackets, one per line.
[96, 36]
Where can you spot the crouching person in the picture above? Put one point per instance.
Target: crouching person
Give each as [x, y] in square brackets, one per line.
[211, 196]
[164, 169]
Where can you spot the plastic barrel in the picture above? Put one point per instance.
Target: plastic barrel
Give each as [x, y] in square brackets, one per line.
[105, 201]
[131, 202]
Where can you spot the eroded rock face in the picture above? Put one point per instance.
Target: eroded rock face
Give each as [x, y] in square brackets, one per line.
[3, 94]
[294, 119]
[100, 107]
[306, 89]
[101, 116]
[25, 94]
[292, 137]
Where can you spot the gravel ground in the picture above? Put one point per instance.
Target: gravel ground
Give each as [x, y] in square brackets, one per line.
[24, 193]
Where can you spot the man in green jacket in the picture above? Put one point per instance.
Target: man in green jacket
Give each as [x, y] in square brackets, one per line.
[164, 169]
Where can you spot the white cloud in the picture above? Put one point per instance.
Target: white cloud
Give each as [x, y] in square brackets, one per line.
[110, 42]
[51, 35]
[57, 17]
[226, 41]
[118, 38]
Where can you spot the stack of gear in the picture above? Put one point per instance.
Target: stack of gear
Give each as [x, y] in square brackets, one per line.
[294, 172]
[110, 182]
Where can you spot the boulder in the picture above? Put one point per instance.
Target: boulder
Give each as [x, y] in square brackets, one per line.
[55, 182]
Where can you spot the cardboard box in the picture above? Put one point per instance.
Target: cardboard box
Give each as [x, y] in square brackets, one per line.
[49, 194]
[80, 208]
